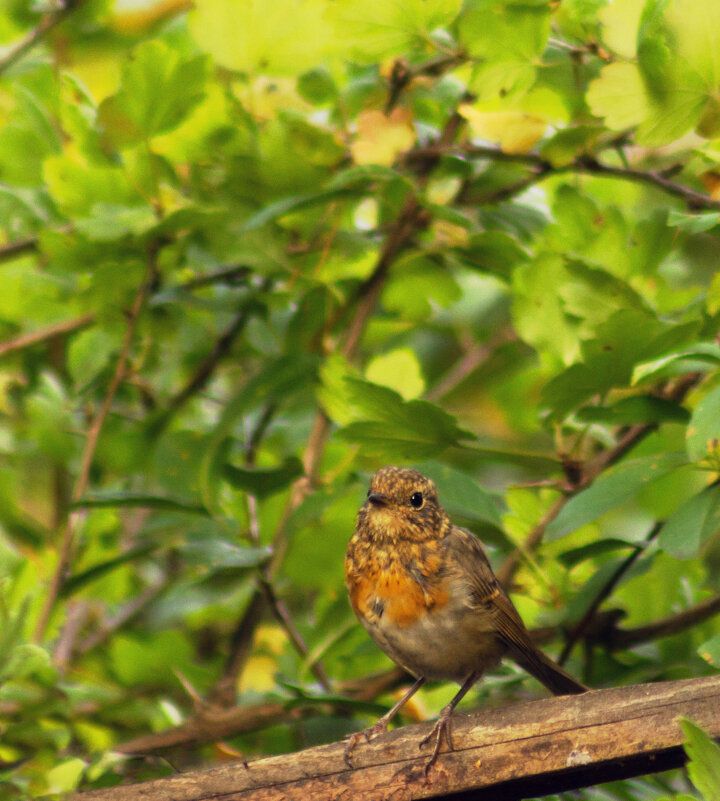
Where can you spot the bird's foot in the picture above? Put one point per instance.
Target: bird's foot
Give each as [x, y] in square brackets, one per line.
[440, 729]
[367, 734]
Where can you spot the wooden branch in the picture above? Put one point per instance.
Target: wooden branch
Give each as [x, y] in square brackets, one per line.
[36, 35]
[582, 164]
[526, 749]
[44, 335]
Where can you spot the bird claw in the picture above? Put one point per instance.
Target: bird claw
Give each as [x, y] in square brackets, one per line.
[442, 727]
[370, 733]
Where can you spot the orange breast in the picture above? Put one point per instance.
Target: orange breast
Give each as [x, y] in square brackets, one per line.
[391, 592]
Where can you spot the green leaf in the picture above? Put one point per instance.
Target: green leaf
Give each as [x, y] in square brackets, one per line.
[575, 556]
[89, 353]
[76, 582]
[693, 223]
[611, 489]
[112, 500]
[220, 555]
[25, 659]
[399, 370]
[431, 285]
[635, 409]
[282, 37]
[157, 92]
[618, 96]
[710, 651]
[569, 143]
[692, 524]
[703, 431]
[291, 204]
[508, 33]
[495, 252]
[608, 358]
[697, 358]
[108, 221]
[704, 764]
[460, 494]
[375, 30]
[263, 482]
[408, 429]
[317, 86]
[279, 380]
[538, 312]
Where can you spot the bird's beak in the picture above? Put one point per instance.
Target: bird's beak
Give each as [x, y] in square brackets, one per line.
[378, 499]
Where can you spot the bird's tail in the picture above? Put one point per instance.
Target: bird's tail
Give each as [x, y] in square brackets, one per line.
[548, 672]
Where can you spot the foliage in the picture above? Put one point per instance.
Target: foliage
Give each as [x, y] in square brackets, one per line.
[251, 252]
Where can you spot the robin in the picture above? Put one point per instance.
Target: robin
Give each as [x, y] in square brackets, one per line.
[425, 592]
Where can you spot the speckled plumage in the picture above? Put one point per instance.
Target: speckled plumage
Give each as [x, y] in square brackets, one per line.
[424, 590]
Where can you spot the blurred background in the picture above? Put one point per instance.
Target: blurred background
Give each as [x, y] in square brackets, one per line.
[250, 252]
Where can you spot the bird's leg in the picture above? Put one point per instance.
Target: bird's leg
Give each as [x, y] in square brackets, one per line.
[442, 727]
[382, 724]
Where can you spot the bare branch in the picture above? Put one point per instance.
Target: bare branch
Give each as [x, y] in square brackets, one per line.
[469, 363]
[583, 164]
[579, 630]
[127, 614]
[220, 349]
[666, 626]
[46, 334]
[49, 22]
[19, 248]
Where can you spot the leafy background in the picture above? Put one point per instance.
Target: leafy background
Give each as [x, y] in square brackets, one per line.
[253, 251]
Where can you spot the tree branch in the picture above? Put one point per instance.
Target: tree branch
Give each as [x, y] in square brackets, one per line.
[584, 624]
[49, 22]
[512, 752]
[12, 250]
[628, 438]
[582, 164]
[46, 334]
[665, 627]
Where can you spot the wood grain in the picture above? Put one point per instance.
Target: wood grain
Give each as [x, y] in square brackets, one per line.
[530, 748]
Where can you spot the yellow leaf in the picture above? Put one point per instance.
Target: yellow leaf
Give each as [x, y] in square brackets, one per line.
[619, 96]
[516, 131]
[620, 22]
[381, 138]
[400, 370]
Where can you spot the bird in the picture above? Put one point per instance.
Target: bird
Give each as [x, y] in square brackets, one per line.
[424, 590]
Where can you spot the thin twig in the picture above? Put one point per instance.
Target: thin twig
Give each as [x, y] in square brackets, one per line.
[93, 434]
[229, 275]
[220, 349]
[127, 614]
[46, 334]
[19, 248]
[283, 616]
[666, 626]
[49, 22]
[578, 631]
[629, 437]
[582, 164]
[470, 362]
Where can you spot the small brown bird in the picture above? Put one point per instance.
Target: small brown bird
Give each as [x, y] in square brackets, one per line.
[424, 590]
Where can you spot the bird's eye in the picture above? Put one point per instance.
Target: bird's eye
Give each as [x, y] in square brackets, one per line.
[417, 500]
